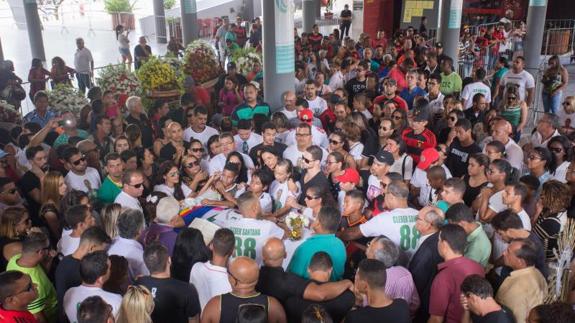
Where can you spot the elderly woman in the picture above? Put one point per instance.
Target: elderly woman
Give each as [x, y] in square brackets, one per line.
[137, 116]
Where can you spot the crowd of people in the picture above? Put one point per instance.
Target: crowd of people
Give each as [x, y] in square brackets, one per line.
[386, 188]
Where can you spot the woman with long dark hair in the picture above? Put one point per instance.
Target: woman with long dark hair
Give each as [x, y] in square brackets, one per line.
[475, 179]
[188, 250]
[499, 174]
[236, 158]
[540, 164]
[554, 80]
[168, 181]
[562, 152]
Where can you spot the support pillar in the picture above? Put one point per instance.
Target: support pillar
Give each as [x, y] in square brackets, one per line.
[450, 28]
[278, 50]
[309, 15]
[34, 28]
[534, 38]
[160, 20]
[317, 9]
[189, 20]
[1, 52]
[249, 11]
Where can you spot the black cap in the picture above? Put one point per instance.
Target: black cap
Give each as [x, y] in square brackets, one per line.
[384, 157]
[439, 44]
[421, 114]
[334, 98]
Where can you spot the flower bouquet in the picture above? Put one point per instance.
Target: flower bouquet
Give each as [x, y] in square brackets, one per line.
[158, 75]
[296, 223]
[65, 98]
[246, 59]
[119, 80]
[9, 113]
[201, 63]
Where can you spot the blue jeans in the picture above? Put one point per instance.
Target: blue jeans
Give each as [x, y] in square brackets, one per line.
[84, 82]
[551, 103]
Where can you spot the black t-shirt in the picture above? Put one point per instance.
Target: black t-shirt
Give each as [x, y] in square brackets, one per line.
[145, 128]
[168, 151]
[337, 307]
[274, 281]
[175, 301]
[396, 312]
[502, 316]
[278, 148]
[458, 157]
[353, 87]
[67, 276]
[27, 183]
[345, 13]
[318, 180]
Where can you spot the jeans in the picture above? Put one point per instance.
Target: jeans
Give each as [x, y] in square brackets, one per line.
[344, 29]
[84, 82]
[467, 69]
[551, 103]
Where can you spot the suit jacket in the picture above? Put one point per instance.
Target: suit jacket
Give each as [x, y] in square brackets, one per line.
[423, 267]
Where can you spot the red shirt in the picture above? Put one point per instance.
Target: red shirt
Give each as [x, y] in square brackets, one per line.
[416, 143]
[399, 101]
[446, 288]
[16, 316]
[399, 77]
[201, 95]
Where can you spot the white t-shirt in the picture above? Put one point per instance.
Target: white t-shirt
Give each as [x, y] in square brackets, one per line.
[566, 120]
[295, 156]
[170, 190]
[219, 161]
[435, 105]
[128, 202]
[280, 193]
[356, 150]
[496, 202]
[471, 89]
[76, 295]
[367, 114]
[203, 136]
[289, 114]
[524, 80]
[318, 137]
[403, 166]
[210, 281]
[68, 244]
[398, 225]
[266, 203]
[133, 251]
[252, 141]
[251, 235]
[561, 172]
[525, 220]
[317, 105]
[373, 187]
[336, 81]
[78, 182]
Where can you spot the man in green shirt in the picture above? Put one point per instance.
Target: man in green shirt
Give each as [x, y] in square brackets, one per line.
[36, 251]
[251, 106]
[478, 245]
[324, 240]
[450, 81]
[112, 184]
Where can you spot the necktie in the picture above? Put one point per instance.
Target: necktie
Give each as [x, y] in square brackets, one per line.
[245, 147]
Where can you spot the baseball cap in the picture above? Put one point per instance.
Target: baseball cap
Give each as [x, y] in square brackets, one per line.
[384, 157]
[421, 114]
[428, 157]
[439, 44]
[389, 80]
[3, 153]
[305, 115]
[334, 98]
[350, 175]
[231, 65]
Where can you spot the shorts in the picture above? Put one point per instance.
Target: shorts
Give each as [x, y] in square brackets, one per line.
[125, 51]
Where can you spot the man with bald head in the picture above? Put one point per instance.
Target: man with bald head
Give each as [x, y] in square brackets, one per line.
[501, 131]
[276, 282]
[243, 274]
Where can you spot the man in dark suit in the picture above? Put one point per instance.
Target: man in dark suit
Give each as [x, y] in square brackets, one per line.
[423, 265]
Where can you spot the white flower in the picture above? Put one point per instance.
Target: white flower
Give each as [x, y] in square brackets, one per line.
[293, 216]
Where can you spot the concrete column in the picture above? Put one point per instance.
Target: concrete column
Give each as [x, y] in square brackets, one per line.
[450, 27]
[317, 9]
[160, 20]
[249, 11]
[190, 29]
[34, 28]
[278, 50]
[534, 37]
[1, 52]
[309, 14]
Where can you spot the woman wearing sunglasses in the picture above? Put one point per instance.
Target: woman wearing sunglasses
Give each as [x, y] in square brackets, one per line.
[562, 152]
[168, 182]
[338, 143]
[514, 110]
[540, 164]
[192, 173]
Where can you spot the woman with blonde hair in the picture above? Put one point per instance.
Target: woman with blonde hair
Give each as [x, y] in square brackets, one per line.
[53, 190]
[567, 115]
[137, 306]
[110, 214]
[14, 224]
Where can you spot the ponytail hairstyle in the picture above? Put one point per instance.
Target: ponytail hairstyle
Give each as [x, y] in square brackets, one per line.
[511, 173]
[119, 29]
[481, 159]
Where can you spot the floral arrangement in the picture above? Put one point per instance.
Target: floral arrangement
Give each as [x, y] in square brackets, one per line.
[119, 80]
[296, 222]
[246, 59]
[66, 98]
[200, 62]
[9, 113]
[157, 74]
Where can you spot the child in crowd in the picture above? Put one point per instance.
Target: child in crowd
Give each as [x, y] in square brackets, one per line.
[259, 185]
[436, 177]
[283, 187]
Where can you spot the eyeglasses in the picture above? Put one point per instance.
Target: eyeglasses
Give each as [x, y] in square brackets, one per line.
[138, 186]
[556, 150]
[192, 164]
[334, 142]
[307, 161]
[307, 197]
[533, 157]
[198, 150]
[79, 161]
[302, 134]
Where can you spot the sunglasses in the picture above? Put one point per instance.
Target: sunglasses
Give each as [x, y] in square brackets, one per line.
[511, 98]
[138, 186]
[307, 197]
[79, 161]
[334, 142]
[198, 150]
[556, 150]
[307, 161]
[192, 164]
